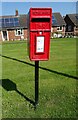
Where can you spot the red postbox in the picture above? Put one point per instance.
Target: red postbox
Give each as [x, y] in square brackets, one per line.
[40, 22]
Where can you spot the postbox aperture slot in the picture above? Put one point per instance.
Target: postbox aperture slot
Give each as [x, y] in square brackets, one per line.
[40, 19]
[40, 44]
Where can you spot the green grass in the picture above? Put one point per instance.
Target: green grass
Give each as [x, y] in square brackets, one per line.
[57, 85]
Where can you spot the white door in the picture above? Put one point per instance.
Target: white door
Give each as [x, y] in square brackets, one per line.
[5, 35]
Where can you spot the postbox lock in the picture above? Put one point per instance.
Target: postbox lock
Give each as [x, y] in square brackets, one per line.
[40, 33]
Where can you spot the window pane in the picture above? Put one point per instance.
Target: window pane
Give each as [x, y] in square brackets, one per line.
[11, 24]
[54, 21]
[3, 25]
[60, 27]
[77, 17]
[11, 20]
[19, 32]
[0, 24]
[16, 24]
[15, 19]
[6, 19]
[53, 17]
[2, 19]
[7, 24]
[69, 28]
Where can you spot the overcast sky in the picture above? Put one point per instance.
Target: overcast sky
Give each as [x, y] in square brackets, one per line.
[8, 8]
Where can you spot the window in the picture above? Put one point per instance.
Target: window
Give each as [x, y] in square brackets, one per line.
[69, 28]
[19, 32]
[76, 17]
[54, 21]
[59, 28]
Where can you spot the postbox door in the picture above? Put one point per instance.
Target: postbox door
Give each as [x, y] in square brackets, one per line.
[40, 46]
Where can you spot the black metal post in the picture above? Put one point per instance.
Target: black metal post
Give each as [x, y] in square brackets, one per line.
[36, 82]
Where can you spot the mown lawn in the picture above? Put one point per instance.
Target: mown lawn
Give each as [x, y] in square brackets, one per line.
[57, 81]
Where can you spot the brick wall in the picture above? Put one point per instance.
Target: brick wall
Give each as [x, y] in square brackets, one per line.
[76, 31]
[54, 30]
[12, 36]
[25, 34]
[63, 32]
[0, 36]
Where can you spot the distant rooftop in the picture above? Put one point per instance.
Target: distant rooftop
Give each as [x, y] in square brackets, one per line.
[57, 19]
[13, 21]
[73, 18]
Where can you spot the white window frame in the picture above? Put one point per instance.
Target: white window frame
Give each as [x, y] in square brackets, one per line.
[59, 28]
[19, 30]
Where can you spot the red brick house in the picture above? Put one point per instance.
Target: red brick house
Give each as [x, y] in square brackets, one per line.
[13, 27]
[58, 25]
[71, 24]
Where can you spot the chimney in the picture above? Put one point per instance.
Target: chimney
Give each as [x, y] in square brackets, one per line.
[16, 13]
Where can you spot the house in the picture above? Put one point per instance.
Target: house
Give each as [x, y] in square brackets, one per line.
[71, 24]
[58, 25]
[13, 27]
